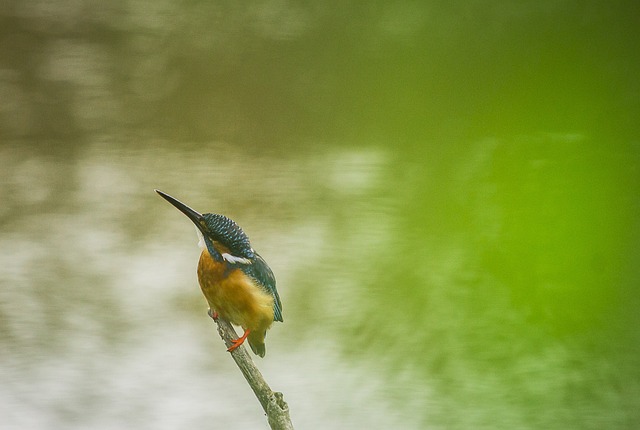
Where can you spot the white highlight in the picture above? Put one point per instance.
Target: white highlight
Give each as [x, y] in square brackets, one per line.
[233, 259]
[201, 243]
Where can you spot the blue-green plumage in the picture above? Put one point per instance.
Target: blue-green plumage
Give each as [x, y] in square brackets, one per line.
[228, 233]
[262, 274]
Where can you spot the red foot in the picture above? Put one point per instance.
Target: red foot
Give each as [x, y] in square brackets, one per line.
[236, 343]
[213, 314]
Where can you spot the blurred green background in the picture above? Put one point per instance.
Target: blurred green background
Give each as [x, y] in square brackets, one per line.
[447, 193]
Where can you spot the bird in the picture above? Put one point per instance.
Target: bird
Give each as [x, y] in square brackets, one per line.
[236, 281]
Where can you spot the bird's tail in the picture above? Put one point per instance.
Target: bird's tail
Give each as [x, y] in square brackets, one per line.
[256, 342]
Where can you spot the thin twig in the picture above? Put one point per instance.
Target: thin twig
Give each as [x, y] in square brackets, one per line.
[272, 402]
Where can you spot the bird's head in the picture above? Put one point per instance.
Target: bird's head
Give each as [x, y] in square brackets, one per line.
[215, 230]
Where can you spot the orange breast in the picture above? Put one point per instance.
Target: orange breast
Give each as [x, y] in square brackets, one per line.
[234, 295]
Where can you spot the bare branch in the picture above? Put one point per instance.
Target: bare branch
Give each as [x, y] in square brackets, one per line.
[272, 402]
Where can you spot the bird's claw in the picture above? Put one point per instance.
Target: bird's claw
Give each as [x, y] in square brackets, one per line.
[239, 341]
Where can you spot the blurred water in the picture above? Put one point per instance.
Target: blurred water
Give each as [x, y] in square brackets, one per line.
[446, 194]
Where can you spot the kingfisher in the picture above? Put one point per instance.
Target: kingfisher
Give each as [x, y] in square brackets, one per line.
[236, 281]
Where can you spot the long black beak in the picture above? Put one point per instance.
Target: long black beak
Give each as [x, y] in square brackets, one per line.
[193, 215]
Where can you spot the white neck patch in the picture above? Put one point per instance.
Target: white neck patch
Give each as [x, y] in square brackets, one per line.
[233, 259]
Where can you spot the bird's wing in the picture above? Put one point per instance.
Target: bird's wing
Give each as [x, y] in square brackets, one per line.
[262, 274]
